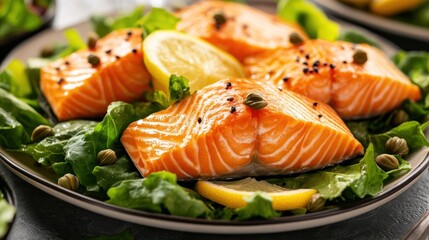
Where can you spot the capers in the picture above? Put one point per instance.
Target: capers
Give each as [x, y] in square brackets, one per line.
[92, 39]
[360, 57]
[397, 146]
[41, 132]
[47, 51]
[106, 157]
[400, 117]
[255, 100]
[295, 38]
[316, 203]
[69, 181]
[387, 162]
[219, 19]
[93, 60]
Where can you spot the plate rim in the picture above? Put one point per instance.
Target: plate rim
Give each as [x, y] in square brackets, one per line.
[165, 221]
[388, 25]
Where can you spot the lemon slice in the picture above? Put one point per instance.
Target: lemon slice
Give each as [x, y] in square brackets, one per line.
[392, 7]
[233, 194]
[168, 52]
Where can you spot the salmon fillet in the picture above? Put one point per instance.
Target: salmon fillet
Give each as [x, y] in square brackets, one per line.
[76, 89]
[246, 30]
[213, 134]
[325, 71]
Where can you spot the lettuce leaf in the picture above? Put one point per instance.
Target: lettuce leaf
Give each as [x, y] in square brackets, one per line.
[21, 112]
[362, 179]
[108, 175]
[11, 131]
[7, 212]
[312, 19]
[157, 19]
[104, 25]
[51, 149]
[16, 16]
[158, 192]
[259, 205]
[355, 36]
[411, 131]
[81, 150]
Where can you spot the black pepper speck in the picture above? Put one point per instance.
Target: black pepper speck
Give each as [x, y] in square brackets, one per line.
[233, 109]
[200, 120]
[228, 85]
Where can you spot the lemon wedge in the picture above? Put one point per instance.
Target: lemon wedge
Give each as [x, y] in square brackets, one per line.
[168, 52]
[392, 7]
[232, 194]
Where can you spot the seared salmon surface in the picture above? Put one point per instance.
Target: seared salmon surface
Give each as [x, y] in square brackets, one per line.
[76, 89]
[236, 28]
[326, 71]
[214, 134]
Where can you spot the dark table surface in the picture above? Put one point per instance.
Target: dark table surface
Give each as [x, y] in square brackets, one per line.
[41, 216]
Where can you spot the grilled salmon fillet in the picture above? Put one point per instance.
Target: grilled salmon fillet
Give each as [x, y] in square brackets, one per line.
[236, 28]
[76, 89]
[326, 72]
[214, 134]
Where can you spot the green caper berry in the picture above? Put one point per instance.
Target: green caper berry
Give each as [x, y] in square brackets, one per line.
[92, 39]
[106, 157]
[400, 117]
[387, 162]
[69, 181]
[41, 132]
[397, 146]
[360, 57]
[316, 203]
[47, 51]
[93, 60]
[295, 38]
[255, 100]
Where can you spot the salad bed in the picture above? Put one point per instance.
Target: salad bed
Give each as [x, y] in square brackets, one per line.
[72, 147]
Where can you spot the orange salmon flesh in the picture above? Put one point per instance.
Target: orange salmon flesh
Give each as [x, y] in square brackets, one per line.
[76, 89]
[325, 71]
[213, 134]
[245, 31]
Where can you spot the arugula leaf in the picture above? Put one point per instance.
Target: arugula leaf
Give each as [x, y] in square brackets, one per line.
[313, 20]
[81, 150]
[22, 113]
[157, 100]
[51, 149]
[157, 19]
[7, 212]
[158, 192]
[179, 88]
[259, 205]
[104, 25]
[363, 178]
[108, 175]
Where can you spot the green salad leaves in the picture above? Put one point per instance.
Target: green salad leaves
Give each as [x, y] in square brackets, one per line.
[159, 192]
[312, 19]
[75, 145]
[7, 213]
